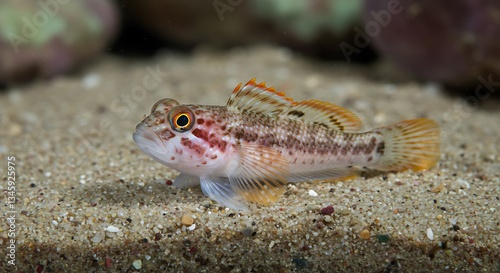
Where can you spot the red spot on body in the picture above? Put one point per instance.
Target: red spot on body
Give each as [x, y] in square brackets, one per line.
[200, 121]
[210, 138]
[200, 134]
[172, 158]
[195, 147]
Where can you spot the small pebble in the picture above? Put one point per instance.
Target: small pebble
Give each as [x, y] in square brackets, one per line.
[383, 238]
[328, 210]
[460, 184]
[247, 232]
[430, 234]
[439, 217]
[90, 81]
[271, 244]
[438, 188]
[299, 263]
[365, 234]
[312, 193]
[187, 220]
[14, 129]
[112, 229]
[137, 264]
[97, 238]
[192, 227]
[345, 212]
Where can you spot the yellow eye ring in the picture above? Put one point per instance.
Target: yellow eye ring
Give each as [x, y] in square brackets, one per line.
[181, 119]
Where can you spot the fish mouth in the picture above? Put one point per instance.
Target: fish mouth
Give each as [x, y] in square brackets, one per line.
[142, 132]
[149, 142]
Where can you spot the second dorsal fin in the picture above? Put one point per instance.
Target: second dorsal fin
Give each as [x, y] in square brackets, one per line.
[326, 114]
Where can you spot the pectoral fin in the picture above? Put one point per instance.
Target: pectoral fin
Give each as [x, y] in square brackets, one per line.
[261, 175]
[220, 190]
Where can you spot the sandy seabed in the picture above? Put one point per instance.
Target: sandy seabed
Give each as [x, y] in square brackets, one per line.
[88, 200]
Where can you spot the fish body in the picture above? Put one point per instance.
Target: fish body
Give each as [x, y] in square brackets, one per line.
[251, 148]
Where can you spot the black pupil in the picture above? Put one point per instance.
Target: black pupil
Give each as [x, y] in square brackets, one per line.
[182, 121]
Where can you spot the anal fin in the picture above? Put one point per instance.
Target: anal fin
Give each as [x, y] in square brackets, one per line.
[335, 174]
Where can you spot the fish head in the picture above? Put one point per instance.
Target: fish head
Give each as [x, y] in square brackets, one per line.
[183, 137]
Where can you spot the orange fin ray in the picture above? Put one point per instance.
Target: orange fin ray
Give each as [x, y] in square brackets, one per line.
[258, 98]
[410, 144]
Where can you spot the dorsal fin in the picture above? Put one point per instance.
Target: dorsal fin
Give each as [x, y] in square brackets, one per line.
[326, 114]
[258, 98]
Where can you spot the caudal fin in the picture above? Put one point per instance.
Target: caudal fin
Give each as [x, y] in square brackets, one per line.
[409, 144]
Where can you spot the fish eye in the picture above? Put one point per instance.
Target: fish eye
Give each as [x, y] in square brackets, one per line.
[181, 119]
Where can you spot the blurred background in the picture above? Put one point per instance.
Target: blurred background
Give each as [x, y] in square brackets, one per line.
[76, 76]
[451, 42]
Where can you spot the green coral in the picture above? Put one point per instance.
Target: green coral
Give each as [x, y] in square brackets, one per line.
[307, 18]
[69, 23]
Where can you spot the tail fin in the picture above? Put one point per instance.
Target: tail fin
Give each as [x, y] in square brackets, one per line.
[410, 144]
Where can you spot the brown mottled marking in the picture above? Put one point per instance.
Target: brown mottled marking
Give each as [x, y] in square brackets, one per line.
[296, 113]
[166, 134]
[345, 149]
[381, 148]
[336, 122]
[195, 147]
[369, 148]
[239, 134]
